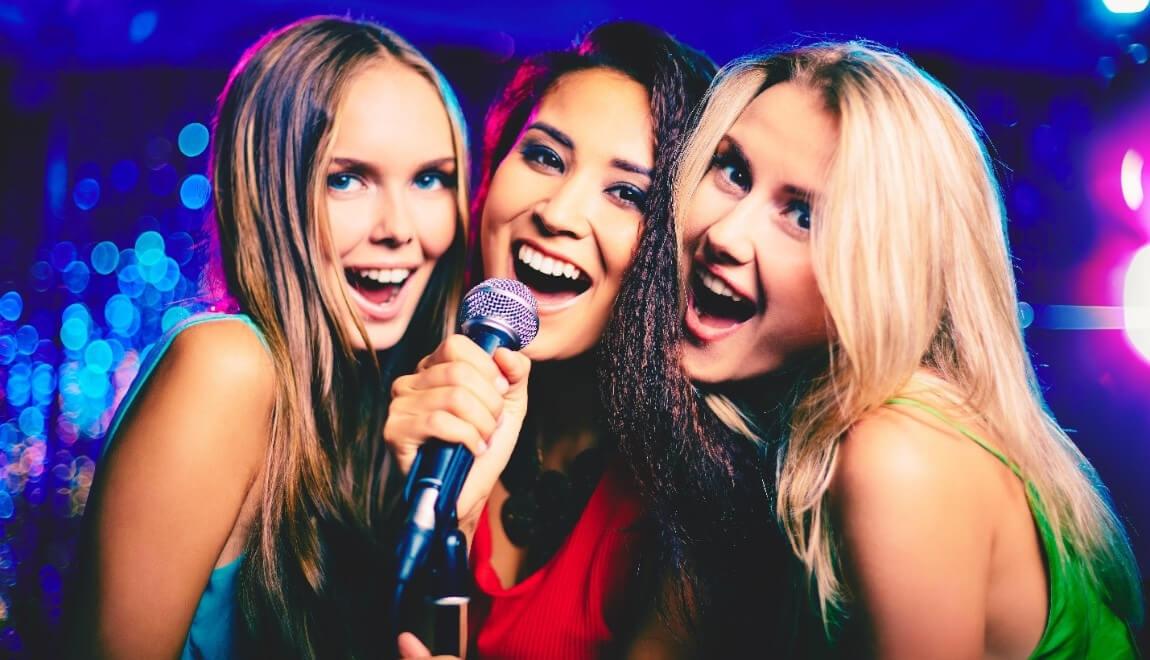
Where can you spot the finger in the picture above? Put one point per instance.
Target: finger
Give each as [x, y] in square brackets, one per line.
[514, 366]
[459, 347]
[409, 412]
[442, 425]
[411, 647]
[457, 374]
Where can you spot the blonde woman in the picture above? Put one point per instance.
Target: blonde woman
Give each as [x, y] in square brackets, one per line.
[240, 501]
[845, 255]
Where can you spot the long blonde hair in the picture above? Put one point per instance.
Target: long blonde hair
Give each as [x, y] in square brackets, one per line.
[325, 467]
[910, 254]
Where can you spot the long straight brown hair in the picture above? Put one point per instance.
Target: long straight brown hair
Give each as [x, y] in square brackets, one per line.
[325, 489]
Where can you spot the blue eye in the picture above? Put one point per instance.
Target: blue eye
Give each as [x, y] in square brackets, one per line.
[733, 170]
[344, 182]
[630, 195]
[433, 180]
[799, 212]
[542, 156]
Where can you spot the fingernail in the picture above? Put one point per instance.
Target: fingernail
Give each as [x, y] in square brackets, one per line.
[501, 385]
[481, 448]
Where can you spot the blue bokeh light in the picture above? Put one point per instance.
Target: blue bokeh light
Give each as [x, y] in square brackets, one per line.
[19, 386]
[173, 316]
[11, 306]
[169, 277]
[43, 382]
[131, 281]
[99, 356]
[94, 384]
[76, 277]
[32, 421]
[105, 257]
[86, 194]
[193, 139]
[117, 312]
[142, 26]
[26, 339]
[152, 272]
[77, 311]
[74, 334]
[149, 247]
[195, 191]
[7, 349]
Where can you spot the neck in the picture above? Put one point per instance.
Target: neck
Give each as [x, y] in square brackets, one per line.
[564, 404]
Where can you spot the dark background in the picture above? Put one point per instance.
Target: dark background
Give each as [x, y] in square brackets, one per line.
[101, 208]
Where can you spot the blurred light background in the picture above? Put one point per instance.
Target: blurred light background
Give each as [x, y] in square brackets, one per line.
[103, 136]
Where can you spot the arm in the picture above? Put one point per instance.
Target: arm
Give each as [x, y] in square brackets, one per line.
[460, 394]
[915, 537]
[169, 491]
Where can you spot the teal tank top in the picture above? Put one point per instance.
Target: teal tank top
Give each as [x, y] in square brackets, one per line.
[1080, 624]
[213, 624]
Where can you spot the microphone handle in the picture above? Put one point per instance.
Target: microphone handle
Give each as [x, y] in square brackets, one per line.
[437, 476]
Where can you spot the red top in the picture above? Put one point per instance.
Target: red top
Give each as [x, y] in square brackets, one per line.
[573, 606]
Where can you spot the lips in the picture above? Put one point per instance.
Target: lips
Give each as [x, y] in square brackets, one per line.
[377, 292]
[715, 309]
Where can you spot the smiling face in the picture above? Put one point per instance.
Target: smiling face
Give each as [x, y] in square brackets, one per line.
[390, 196]
[753, 301]
[565, 207]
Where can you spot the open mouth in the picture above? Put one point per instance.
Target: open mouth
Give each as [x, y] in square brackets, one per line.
[552, 280]
[378, 286]
[715, 304]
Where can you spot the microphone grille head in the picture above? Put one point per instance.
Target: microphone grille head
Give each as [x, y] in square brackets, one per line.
[506, 302]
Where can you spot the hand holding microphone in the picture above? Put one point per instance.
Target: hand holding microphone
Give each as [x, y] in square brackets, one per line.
[462, 401]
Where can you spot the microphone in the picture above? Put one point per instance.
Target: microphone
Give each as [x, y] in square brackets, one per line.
[497, 312]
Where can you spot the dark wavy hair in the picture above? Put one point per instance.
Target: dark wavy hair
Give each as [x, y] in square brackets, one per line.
[638, 351]
[715, 559]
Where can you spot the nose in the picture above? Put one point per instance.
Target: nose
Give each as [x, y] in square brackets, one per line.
[728, 240]
[394, 225]
[567, 210]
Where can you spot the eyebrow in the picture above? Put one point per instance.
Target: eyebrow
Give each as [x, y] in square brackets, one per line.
[565, 140]
[556, 134]
[366, 168]
[628, 166]
[732, 145]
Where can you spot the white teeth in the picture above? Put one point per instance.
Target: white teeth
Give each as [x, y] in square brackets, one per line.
[717, 286]
[547, 265]
[385, 275]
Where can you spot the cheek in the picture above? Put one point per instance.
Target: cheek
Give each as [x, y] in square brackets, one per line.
[506, 196]
[707, 206]
[618, 245]
[349, 223]
[437, 226]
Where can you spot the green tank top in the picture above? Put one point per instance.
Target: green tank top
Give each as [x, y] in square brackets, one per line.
[213, 624]
[1080, 624]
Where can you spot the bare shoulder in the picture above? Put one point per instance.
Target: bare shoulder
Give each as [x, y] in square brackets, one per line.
[171, 487]
[905, 449]
[227, 351]
[217, 376]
